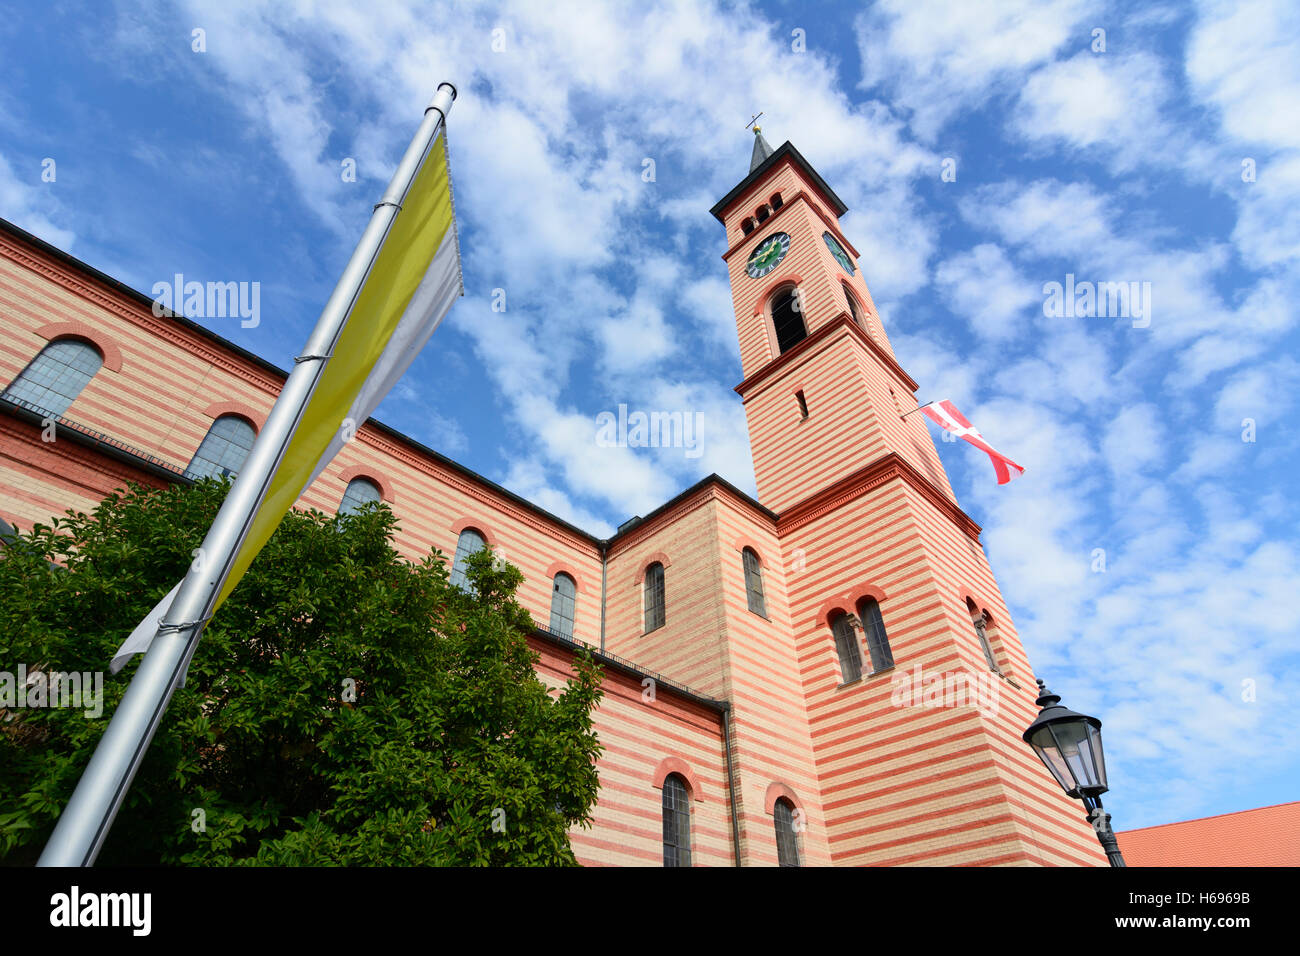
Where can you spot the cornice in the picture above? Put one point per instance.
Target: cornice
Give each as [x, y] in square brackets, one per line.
[710, 491]
[113, 302]
[866, 479]
[843, 320]
[482, 495]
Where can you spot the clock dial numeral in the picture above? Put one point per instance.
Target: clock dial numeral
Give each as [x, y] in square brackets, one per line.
[767, 255]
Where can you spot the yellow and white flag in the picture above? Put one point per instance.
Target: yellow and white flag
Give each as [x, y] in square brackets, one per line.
[411, 286]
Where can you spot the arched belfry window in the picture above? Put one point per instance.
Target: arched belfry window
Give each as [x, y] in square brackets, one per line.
[748, 226]
[223, 449]
[787, 841]
[873, 627]
[677, 821]
[754, 582]
[762, 212]
[54, 379]
[787, 319]
[564, 593]
[654, 597]
[846, 645]
[855, 311]
[359, 492]
[777, 201]
[470, 542]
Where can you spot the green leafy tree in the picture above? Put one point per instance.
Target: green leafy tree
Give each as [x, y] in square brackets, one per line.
[345, 706]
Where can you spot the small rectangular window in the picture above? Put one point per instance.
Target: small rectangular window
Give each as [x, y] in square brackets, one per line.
[803, 404]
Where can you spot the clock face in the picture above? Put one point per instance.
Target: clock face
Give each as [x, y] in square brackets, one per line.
[768, 255]
[838, 252]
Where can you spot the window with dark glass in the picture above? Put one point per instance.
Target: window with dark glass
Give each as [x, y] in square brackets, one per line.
[787, 319]
[224, 449]
[654, 597]
[56, 376]
[777, 201]
[846, 645]
[787, 841]
[563, 596]
[873, 626]
[469, 542]
[747, 226]
[677, 822]
[762, 213]
[754, 582]
[359, 492]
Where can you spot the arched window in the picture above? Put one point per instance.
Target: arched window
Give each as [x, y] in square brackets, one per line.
[787, 841]
[360, 491]
[57, 375]
[980, 622]
[846, 645]
[877, 640]
[563, 595]
[748, 226]
[677, 822]
[223, 449]
[787, 319]
[754, 582]
[855, 311]
[762, 212]
[469, 542]
[654, 597]
[776, 201]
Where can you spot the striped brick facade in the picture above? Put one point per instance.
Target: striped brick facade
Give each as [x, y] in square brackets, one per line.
[747, 708]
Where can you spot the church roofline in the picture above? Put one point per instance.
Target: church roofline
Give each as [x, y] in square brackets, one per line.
[783, 151]
[630, 669]
[133, 456]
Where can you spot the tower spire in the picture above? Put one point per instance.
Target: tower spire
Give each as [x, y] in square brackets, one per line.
[761, 149]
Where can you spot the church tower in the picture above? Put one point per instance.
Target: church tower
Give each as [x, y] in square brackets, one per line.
[916, 685]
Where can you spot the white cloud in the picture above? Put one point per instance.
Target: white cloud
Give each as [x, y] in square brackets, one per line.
[1099, 101]
[1243, 57]
[33, 205]
[984, 288]
[937, 59]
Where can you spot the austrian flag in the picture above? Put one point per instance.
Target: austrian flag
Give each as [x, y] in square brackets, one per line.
[946, 416]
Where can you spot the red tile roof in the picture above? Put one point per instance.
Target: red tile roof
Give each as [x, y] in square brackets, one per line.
[1268, 836]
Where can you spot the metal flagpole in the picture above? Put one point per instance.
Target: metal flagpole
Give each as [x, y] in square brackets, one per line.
[84, 824]
[915, 410]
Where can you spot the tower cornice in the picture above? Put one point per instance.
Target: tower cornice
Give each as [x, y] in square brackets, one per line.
[785, 152]
[879, 472]
[843, 320]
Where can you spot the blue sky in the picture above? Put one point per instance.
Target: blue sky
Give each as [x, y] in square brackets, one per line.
[1115, 165]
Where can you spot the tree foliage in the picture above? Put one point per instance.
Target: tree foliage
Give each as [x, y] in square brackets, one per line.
[345, 706]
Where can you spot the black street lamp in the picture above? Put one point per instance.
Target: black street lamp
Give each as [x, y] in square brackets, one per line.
[1069, 745]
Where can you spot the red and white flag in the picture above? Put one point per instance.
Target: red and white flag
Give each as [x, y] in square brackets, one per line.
[946, 416]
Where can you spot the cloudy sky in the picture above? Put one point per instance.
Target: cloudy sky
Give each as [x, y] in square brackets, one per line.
[1149, 554]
